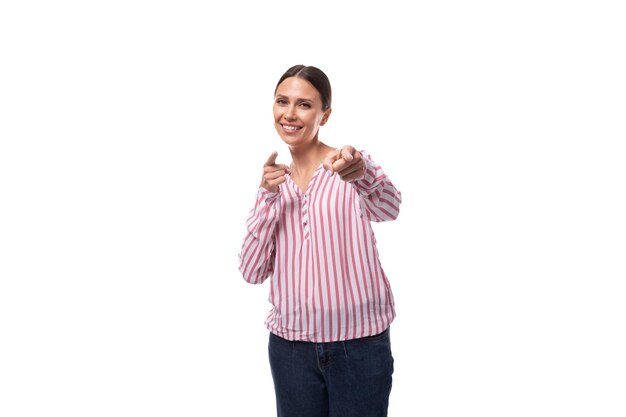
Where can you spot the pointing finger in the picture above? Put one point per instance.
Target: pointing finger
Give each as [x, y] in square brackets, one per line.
[272, 159]
[347, 152]
[330, 158]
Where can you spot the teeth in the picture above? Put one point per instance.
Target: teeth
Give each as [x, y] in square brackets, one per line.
[291, 127]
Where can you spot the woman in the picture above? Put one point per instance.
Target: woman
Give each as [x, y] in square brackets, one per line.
[310, 231]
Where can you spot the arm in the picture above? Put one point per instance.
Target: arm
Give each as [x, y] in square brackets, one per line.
[256, 259]
[379, 198]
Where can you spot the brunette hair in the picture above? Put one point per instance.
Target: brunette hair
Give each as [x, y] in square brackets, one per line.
[316, 77]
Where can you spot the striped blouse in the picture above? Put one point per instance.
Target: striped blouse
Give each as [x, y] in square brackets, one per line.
[319, 248]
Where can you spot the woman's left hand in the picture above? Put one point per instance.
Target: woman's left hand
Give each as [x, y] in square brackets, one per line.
[347, 162]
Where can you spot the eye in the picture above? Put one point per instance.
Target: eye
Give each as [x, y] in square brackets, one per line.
[281, 101]
[305, 105]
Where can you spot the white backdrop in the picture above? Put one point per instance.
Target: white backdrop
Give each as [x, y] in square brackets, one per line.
[132, 135]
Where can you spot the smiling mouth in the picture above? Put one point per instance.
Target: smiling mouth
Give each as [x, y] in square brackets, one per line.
[291, 128]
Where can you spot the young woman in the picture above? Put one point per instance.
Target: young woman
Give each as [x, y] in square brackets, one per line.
[310, 231]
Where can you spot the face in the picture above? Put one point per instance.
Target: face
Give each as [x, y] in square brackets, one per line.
[298, 112]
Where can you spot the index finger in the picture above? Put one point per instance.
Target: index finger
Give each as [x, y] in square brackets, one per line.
[331, 157]
[272, 159]
[347, 152]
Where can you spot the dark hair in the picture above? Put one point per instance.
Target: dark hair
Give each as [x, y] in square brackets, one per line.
[316, 77]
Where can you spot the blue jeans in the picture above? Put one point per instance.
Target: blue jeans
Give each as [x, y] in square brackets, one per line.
[336, 379]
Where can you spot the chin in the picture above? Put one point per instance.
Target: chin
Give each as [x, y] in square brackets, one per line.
[291, 140]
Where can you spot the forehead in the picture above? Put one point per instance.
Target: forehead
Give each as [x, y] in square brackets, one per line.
[298, 88]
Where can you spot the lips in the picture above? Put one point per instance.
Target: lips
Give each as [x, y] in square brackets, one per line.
[291, 128]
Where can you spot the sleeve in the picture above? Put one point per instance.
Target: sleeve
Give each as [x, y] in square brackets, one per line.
[256, 259]
[379, 199]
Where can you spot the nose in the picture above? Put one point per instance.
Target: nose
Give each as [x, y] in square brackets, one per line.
[290, 113]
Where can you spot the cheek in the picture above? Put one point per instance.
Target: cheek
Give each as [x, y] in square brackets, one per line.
[318, 120]
[310, 120]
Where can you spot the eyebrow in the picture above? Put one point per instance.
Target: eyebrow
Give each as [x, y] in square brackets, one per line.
[300, 100]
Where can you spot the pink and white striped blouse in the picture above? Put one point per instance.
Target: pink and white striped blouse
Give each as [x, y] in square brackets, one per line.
[319, 248]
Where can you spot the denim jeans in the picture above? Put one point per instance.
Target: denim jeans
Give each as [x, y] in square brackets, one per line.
[336, 379]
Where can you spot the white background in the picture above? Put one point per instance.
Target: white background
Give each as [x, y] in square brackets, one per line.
[132, 138]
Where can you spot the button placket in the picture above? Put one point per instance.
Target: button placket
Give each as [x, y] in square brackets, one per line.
[305, 214]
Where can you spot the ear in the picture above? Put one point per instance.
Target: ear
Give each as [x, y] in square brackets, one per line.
[326, 116]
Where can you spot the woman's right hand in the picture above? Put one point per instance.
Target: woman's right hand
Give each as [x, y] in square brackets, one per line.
[273, 173]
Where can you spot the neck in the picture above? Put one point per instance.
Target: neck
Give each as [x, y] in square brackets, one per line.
[306, 158]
